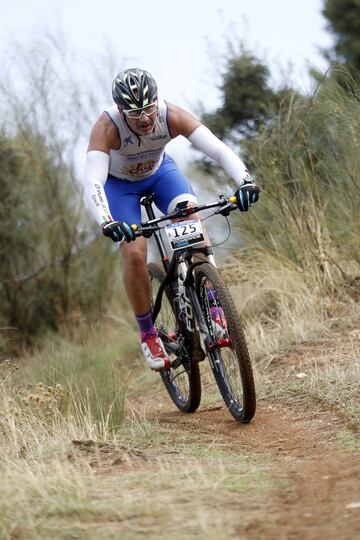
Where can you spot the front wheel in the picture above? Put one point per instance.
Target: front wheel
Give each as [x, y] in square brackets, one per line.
[182, 380]
[229, 356]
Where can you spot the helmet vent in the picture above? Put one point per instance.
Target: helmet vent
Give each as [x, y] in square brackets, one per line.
[134, 88]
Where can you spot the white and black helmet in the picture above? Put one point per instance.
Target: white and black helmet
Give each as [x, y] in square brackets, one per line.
[134, 88]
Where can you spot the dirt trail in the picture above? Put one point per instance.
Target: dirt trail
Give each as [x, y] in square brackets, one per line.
[319, 495]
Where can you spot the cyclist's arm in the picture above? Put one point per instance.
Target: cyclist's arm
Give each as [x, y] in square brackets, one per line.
[103, 138]
[183, 123]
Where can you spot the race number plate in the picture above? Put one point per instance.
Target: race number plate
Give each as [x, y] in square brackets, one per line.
[184, 233]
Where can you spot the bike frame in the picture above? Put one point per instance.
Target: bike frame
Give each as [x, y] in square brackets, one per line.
[182, 257]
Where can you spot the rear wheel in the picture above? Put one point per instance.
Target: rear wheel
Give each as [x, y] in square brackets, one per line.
[229, 357]
[182, 380]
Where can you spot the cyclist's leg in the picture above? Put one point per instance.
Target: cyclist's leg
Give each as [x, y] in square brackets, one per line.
[172, 187]
[124, 199]
[124, 203]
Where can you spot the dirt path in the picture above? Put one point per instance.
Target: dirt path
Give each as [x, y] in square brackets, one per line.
[320, 497]
[319, 493]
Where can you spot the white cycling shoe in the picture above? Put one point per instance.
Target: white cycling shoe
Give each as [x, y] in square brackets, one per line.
[154, 352]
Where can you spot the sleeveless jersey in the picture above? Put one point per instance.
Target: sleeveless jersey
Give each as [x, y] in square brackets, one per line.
[139, 156]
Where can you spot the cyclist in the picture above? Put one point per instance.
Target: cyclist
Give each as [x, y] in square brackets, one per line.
[126, 160]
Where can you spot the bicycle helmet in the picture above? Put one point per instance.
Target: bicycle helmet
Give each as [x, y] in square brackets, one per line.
[134, 88]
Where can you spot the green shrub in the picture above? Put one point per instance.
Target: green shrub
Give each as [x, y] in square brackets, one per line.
[307, 162]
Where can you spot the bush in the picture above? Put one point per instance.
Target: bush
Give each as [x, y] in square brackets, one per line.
[307, 162]
[55, 269]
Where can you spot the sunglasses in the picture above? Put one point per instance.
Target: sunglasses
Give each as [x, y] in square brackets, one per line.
[136, 113]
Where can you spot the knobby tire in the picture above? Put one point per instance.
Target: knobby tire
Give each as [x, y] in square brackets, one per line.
[231, 365]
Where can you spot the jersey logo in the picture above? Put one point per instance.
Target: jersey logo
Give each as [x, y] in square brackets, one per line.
[128, 140]
[157, 137]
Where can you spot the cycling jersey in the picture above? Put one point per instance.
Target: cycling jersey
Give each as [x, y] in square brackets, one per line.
[141, 158]
[138, 156]
[168, 185]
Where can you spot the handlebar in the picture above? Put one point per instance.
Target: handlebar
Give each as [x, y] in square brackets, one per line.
[224, 205]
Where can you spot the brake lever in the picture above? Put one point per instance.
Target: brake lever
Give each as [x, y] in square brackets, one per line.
[146, 232]
[226, 205]
[182, 209]
[226, 209]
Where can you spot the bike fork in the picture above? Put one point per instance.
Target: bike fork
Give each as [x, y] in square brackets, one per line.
[203, 327]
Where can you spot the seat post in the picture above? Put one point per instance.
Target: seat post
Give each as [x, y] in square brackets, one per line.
[147, 202]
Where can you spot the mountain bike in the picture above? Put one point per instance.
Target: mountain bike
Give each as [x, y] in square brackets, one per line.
[194, 313]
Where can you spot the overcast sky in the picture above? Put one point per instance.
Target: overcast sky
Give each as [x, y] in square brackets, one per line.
[180, 42]
[171, 37]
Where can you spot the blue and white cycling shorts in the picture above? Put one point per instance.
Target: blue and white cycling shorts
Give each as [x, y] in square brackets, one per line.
[168, 184]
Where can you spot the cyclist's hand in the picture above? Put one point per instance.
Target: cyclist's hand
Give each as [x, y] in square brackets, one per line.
[247, 195]
[119, 231]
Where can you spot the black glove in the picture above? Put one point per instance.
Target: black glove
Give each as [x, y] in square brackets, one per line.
[247, 195]
[119, 231]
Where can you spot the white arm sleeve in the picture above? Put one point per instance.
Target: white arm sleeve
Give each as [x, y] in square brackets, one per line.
[203, 139]
[96, 173]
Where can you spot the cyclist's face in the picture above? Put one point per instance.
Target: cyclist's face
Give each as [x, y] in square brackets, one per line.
[145, 123]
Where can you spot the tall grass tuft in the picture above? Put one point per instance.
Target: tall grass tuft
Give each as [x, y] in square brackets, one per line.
[282, 304]
[73, 389]
[307, 162]
[93, 373]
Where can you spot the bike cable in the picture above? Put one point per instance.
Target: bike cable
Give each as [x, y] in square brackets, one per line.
[228, 234]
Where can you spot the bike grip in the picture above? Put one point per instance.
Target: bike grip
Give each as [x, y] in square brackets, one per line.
[233, 199]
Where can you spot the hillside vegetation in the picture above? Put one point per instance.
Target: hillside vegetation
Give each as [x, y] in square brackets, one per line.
[89, 443]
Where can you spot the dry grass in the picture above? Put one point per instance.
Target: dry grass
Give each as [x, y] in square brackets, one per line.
[334, 380]
[321, 374]
[66, 476]
[162, 500]
[281, 304]
[71, 469]
[287, 316]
